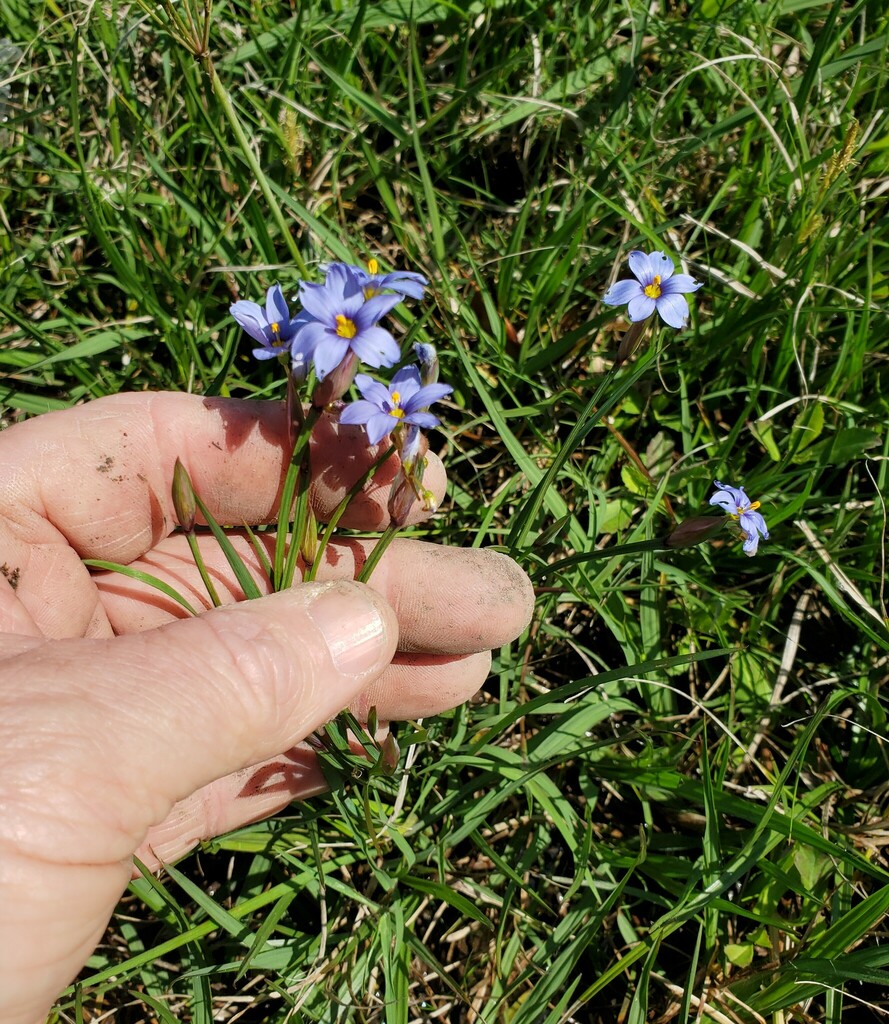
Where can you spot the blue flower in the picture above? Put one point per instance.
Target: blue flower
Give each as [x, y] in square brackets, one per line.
[656, 288]
[372, 282]
[341, 321]
[272, 326]
[736, 503]
[405, 401]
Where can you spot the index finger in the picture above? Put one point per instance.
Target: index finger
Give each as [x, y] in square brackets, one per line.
[100, 474]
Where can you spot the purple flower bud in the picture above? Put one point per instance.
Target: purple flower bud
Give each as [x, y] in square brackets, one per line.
[427, 357]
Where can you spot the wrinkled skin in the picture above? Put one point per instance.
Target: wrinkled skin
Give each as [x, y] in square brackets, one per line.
[127, 728]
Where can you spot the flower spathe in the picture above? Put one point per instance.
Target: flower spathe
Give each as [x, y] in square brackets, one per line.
[405, 401]
[407, 486]
[342, 321]
[271, 325]
[735, 502]
[656, 287]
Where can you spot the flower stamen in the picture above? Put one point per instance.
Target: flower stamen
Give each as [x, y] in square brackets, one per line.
[396, 409]
[370, 290]
[345, 327]
[277, 340]
[653, 290]
[744, 509]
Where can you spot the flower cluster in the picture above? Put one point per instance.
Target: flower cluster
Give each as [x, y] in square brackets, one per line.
[337, 328]
[338, 322]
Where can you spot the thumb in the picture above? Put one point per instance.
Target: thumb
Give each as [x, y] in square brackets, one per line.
[133, 724]
[98, 739]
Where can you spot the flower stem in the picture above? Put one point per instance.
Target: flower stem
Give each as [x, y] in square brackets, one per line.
[598, 406]
[356, 488]
[293, 510]
[379, 550]
[202, 568]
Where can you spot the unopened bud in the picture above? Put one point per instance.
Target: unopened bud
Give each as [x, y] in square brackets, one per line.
[428, 359]
[401, 498]
[308, 543]
[183, 497]
[407, 487]
[373, 720]
[390, 752]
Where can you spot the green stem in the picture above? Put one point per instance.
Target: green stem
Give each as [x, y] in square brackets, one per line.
[231, 115]
[369, 823]
[175, 19]
[298, 528]
[294, 483]
[356, 488]
[202, 567]
[377, 553]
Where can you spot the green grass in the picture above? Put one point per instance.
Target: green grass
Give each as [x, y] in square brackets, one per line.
[669, 802]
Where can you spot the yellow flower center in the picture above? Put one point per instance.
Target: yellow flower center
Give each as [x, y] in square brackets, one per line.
[396, 409]
[277, 340]
[345, 327]
[752, 507]
[653, 290]
[373, 268]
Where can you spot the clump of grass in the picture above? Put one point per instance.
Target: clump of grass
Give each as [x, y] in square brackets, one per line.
[667, 802]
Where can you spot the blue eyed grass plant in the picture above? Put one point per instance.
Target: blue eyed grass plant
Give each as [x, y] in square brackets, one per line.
[320, 349]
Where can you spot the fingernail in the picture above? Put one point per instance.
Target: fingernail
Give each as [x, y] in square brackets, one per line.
[353, 627]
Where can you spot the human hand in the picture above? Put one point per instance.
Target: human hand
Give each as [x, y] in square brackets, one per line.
[127, 729]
